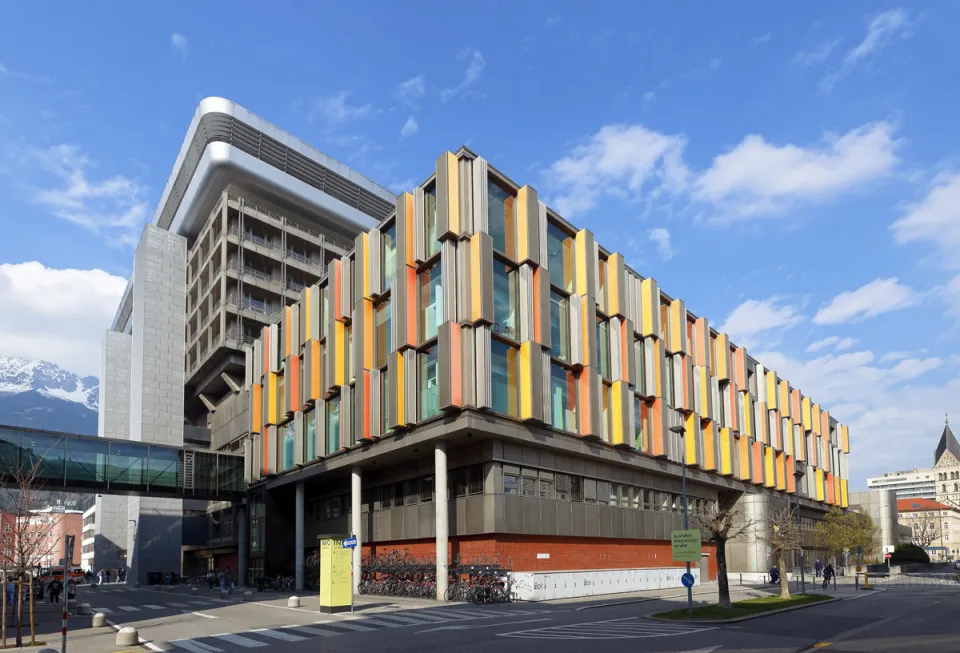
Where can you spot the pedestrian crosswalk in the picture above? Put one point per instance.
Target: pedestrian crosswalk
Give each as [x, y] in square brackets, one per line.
[626, 628]
[149, 607]
[344, 624]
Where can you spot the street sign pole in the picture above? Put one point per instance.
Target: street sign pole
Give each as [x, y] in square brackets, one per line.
[67, 554]
[351, 543]
[686, 526]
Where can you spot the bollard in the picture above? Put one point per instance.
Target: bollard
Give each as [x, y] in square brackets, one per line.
[248, 596]
[293, 602]
[84, 609]
[128, 636]
[194, 591]
[47, 649]
[99, 620]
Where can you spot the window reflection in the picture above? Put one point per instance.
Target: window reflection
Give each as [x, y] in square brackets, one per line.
[431, 301]
[563, 398]
[429, 389]
[560, 257]
[560, 325]
[505, 300]
[505, 371]
[501, 210]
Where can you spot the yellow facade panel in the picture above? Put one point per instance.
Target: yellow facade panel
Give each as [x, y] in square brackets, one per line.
[805, 410]
[769, 469]
[845, 438]
[726, 454]
[650, 311]
[818, 480]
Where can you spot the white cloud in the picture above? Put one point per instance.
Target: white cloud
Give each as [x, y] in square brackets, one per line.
[936, 218]
[115, 205]
[950, 293]
[649, 99]
[872, 299]
[894, 421]
[817, 55]
[911, 368]
[57, 315]
[820, 344]
[629, 160]
[475, 66]
[883, 29]
[757, 178]
[894, 356]
[755, 316]
[335, 109]
[763, 39]
[846, 343]
[410, 127]
[412, 89]
[660, 237]
[179, 44]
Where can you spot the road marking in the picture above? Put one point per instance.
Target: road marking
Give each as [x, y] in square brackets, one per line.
[285, 607]
[466, 627]
[177, 605]
[240, 640]
[199, 614]
[195, 647]
[607, 629]
[385, 624]
[317, 631]
[349, 626]
[418, 614]
[128, 608]
[864, 594]
[454, 614]
[153, 607]
[103, 610]
[276, 634]
[821, 644]
[400, 620]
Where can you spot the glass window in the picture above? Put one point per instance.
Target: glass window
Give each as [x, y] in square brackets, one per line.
[386, 497]
[562, 482]
[639, 367]
[501, 209]
[505, 300]
[310, 444]
[641, 421]
[636, 495]
[384, 401]
[576, 488]
[127, 465]
[432, 246]
[560, 257]
[381, 321]
[529, 483]
[603, 347]
[429, 390]
[426, 489]
[563, 398]
[667, 389]
[602, 284]
[163, 468]
[388, 255]
[511, 481]
[333, 425]
[289, 440]
[603, 492]
[431, 301]
[411, 492]
[86, 462]
[606, 412]
[546, 485]
[560, 325]
[505, 368]
[589, 490]
[348, 361]
[475, 479]
[458, 481]
[324, 308]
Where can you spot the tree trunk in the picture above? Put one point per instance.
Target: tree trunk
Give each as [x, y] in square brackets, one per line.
[784, 583]
[33, 630]
[19, 600]
[4, 622]
[723, 583]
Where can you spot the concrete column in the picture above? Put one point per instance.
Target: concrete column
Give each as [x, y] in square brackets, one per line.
[356, 525]
[243, 532]
[298, 538]
[442, 523]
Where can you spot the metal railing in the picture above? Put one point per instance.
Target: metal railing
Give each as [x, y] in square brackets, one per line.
[295, 286]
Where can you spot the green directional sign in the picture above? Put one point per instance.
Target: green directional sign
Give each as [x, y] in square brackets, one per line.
[686, 545]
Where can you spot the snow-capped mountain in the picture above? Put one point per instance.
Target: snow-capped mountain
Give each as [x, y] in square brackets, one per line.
[40, 394]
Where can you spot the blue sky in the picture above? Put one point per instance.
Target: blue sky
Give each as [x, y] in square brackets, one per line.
[783, 168]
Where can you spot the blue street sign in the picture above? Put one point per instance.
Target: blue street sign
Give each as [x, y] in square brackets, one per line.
[350, 543]
[688, 580]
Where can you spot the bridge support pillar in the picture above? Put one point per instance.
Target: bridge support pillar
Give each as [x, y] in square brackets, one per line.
[442, 519]
[298, 537]
[356, 526]
[243, 532]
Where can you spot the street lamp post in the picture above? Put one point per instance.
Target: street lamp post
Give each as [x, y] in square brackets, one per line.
[678, 429]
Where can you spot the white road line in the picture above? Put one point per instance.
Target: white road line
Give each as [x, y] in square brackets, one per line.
[418, 614]
[103, 610]
[350, 626]
[471, 626]
[153, 607]
[275, 634]
[177, 605]
[453, 615]
[128, 608]
[402, 620]
[241, 641]
[284, 607]
[195, 647]
[317, 631]
[199, 614]
[385, 624]
[866, 593]
[199, 602]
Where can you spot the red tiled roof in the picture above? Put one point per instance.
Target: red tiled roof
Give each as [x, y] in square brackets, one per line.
[914, 505]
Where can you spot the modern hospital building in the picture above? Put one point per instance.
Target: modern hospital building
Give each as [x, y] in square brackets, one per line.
[456, 371]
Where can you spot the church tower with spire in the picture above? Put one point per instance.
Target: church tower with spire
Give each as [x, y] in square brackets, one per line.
[946, 464]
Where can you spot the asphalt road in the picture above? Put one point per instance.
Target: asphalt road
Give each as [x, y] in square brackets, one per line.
[911, 620]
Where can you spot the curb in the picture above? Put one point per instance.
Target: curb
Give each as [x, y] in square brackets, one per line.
[738, 619]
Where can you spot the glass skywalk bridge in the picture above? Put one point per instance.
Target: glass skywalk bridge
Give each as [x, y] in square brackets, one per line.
[82, 463]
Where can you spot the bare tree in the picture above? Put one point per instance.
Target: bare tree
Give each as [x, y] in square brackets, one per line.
[784, 538]
[27, 537]
[926, 527]
[723, 523]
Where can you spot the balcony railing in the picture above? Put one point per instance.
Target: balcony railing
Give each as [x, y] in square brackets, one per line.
[295, 286]
[258, 274]
[303, 258]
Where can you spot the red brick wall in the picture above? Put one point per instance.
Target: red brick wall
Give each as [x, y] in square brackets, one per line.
[566, 553]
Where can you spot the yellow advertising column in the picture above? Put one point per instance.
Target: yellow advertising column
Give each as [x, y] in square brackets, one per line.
[335, 586]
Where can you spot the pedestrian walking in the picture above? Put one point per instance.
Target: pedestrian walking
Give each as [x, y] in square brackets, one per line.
[818, 568]
[55, 587]
[100, 575]
[828, 574]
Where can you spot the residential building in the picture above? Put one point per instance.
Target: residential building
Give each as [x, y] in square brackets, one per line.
[910, 484]
[478, 376]
[44, 531]
[935, 525]
[249, 216]
[88, 537]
